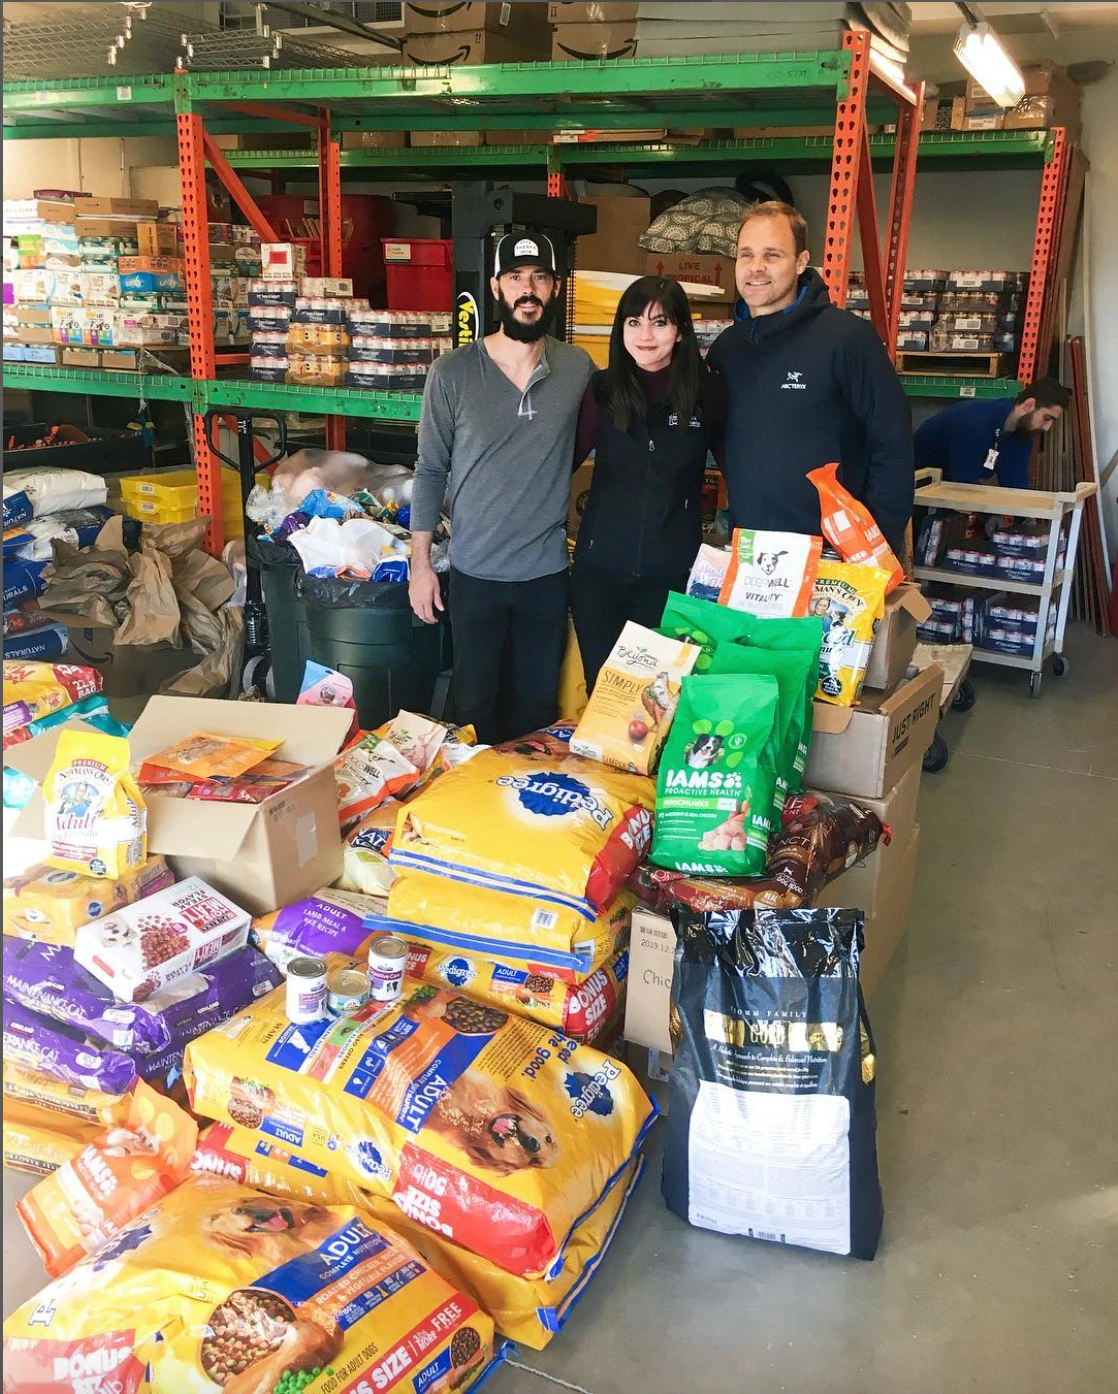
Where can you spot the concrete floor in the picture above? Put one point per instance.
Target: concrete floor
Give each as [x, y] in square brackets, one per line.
[997, 1118]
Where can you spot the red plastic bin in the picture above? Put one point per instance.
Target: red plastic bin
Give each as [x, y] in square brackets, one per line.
[420, 273]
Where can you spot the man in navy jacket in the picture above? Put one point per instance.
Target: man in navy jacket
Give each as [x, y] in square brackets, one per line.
[976, 442]
[806, 383]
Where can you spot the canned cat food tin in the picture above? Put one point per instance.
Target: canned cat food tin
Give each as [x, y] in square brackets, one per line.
[388, 957]
[346, 990]
[306, 990]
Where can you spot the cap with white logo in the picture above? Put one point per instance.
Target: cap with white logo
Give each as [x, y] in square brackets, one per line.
[524, 249]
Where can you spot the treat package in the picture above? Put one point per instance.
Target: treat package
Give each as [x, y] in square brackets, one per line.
[773, 1078]
[86, 1203]
[715, 774]
[796, 673]
[368, 773]
[533, 820]
[51, 905]
[254, 786]
[40, 1142]
[96, 821]
[630, 711]
[35, 690]
[203, 755]
[849, 526]
[223, 1287]
[531, 934]
[580, 1010]
[498, 1132]
[142, 948]
[849, 599]
[771, 574]
[326, 687]
[708, 572]
[52, 1047]
[365, 851]
[330, 921]
[528, 1310]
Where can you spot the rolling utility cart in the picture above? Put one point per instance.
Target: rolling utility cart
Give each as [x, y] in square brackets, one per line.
[958, 692]
[1052, 586]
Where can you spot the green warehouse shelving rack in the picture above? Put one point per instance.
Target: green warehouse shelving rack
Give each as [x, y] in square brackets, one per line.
[840, 87]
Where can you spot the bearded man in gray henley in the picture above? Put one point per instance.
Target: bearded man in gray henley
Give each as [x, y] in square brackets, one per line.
[498, 422]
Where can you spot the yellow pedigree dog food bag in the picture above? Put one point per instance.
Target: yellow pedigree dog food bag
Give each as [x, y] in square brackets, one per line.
[497, 1132]
[223, 1287]
[96, 820]
[528, 1310]
[528, 933]
[849, 598]
[52, 906]
[531, 819]
[630, 711]
[40, 1142]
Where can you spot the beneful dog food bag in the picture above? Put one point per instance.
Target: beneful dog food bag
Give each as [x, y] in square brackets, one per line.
[528, 1310]
[96, 821]
[147, 946]
[51, 905]
[534, 820]
[771, 574]
[850, 600]
[223, 1287]
[87, 1202]
[630, 711]
[501, 1134]
[772, 1131]
[530, 934]
[715, 772]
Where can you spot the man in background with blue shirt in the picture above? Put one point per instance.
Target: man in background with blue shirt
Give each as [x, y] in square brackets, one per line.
[978, 442]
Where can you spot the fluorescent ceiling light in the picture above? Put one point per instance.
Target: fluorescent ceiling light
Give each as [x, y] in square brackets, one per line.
[980, 51]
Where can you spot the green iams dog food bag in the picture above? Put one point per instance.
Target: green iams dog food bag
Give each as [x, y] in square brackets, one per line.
[715, 769]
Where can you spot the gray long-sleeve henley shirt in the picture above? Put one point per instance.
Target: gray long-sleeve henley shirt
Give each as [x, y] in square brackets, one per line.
[508, 455]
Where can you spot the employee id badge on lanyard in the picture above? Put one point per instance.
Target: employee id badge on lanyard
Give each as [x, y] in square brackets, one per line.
[990, 463]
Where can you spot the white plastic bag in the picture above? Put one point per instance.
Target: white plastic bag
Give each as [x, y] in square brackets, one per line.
[358, 543]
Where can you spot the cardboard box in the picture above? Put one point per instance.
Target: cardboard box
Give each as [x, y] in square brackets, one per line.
[621, 221]
[895, 640]
[648, 998]
[863, 751]
[80, 358]
[698, 268]
[30, 210]
[461, 139]
[159, 265]
[884, 894]
[128, 670]
[134, 208]
[611, 12]
[262, 856]
[36, 334]
[535, 137]
[374, 140]
[122, 360]
[590, 43]
[89, 226]
[470, 46]
[158, 239]
[519, 20]
[281, 261]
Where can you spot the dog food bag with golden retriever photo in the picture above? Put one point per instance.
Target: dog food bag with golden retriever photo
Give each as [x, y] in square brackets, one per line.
[530, 934]
[772, 1130]
[532, 819]
[715, 795]
[850, 601]
[87, 1202]
[96, 820]
[771, 573]
[222, 1288]
[497, 1132]
[630, 711]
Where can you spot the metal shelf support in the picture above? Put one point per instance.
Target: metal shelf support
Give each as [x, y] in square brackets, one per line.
[1052, 184]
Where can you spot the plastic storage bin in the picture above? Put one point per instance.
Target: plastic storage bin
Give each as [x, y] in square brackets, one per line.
[419, 273]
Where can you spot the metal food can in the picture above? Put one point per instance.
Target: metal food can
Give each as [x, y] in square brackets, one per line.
[306, 990]
[388, 957]
[346, 991]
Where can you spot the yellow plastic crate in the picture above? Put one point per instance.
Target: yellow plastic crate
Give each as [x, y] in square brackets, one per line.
[149, 511]
[179, 488]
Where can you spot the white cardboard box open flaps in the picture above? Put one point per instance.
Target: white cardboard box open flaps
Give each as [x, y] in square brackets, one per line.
[263, 856]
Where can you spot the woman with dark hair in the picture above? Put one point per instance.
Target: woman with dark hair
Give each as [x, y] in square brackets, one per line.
[650, 417]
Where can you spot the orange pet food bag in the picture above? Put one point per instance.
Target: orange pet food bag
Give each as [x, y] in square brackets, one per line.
[849, 527]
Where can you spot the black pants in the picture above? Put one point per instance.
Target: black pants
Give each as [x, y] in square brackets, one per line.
[509, 641]
[602, 601]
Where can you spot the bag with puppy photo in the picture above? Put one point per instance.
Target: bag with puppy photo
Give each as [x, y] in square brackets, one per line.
[221, 1287]
[630, 711]
[716, 774]
[500, 1133]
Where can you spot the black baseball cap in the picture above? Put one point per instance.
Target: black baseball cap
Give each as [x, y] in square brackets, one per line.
[524, 249]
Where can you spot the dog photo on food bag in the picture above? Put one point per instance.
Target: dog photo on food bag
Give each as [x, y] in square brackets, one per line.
[272, 1231]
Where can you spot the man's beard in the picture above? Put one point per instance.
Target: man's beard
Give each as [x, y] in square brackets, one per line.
[516, 329]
